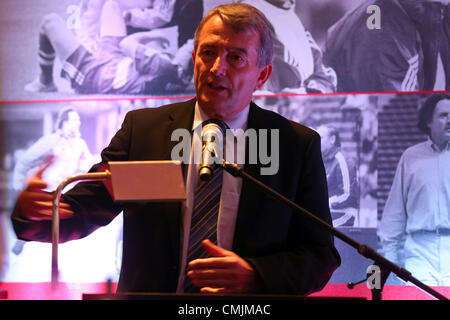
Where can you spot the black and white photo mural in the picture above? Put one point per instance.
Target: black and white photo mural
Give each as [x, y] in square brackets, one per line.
[371, 77]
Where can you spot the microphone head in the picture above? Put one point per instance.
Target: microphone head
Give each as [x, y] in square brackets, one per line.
[214, 124]
[212, 147]
[211, 129]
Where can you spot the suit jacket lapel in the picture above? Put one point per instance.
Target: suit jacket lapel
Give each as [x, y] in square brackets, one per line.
[181, 117]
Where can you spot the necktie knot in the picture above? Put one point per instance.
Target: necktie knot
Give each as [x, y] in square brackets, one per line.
[220, 123]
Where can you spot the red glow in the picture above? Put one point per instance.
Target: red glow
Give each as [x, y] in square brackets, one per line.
[74, 291]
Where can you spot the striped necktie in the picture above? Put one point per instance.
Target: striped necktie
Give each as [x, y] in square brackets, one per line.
[204, 218]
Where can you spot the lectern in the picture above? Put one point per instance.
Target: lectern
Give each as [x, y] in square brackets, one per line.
[159, 181]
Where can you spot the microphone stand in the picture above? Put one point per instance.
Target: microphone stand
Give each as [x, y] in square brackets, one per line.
[362, 249]
[55, 217]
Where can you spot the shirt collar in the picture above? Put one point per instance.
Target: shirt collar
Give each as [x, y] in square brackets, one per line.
[436, 148]
[239, 121]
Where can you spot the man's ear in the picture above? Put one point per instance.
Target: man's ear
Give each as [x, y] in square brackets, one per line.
[264, 75]
[193, 56]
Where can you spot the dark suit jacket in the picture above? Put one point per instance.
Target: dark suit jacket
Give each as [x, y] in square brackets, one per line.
[289, 254]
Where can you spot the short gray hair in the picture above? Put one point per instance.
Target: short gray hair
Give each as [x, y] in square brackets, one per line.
[241, 17]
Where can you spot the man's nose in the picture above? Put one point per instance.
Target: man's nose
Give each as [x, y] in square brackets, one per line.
[219, 67]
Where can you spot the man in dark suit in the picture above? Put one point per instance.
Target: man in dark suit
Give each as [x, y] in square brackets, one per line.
[263, 246]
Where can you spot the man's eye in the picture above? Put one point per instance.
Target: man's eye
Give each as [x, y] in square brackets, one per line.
[236, 57]
[207, 52]
[237, 60]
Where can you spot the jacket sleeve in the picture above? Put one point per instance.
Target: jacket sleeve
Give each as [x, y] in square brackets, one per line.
[377, 62]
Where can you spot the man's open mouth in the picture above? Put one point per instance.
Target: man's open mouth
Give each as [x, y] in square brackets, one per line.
[216, 86]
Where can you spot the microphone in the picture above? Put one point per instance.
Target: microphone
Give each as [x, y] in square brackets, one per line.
[212, 147]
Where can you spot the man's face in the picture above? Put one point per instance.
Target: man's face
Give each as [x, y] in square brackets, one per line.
[225, 69]
[325, 138]
[440, 123]
[71, 127]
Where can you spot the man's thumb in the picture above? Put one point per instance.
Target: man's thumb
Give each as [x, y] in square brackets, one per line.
[213, 249]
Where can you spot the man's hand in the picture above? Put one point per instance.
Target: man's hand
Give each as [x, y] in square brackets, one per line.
[35, 204]
[225, 272]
